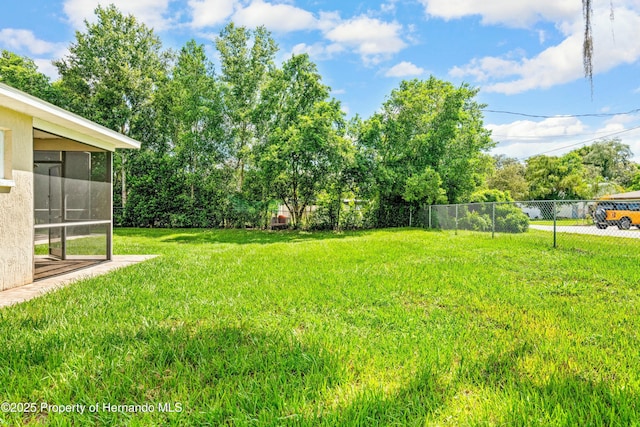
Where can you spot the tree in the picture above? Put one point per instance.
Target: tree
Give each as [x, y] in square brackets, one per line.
[22, 73]
[244, 67]
[304, 147]
[611, 159]
[493, 210]
[346, 200]
[109, 76]
[194, 115]
[424, 188]
[426, 124]
[509, 176]
[557, 178]
[635, 180]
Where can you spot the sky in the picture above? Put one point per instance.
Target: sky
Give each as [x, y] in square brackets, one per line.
[525, 56]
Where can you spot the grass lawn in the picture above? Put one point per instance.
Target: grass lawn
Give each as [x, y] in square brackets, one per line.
[389, 327]
[84, 245]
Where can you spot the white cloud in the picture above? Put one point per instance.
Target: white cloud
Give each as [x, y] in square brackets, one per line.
[276, 17]
[405, 69]
[561, 63]
[542, 36]
[531, 130]
[512, 13]
[46, 67]
[24, 40]
[151, 12]
[559, 135]
[328, 21]
[525, 138]
[318, 51]
[373, 39]
[207, 13]
[622, 119]
[624, 125]
[389, 6]
[557, 147]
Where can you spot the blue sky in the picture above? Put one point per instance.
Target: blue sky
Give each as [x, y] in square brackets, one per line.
[524, 55]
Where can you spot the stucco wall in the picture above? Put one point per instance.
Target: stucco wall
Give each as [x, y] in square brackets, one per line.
[16, 205]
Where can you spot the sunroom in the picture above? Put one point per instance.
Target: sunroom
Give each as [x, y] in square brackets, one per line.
[55, 189]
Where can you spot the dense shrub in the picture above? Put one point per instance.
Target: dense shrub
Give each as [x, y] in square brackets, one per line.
[479, 213]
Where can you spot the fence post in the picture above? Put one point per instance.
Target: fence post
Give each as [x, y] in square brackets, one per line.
[493, 220]
[429, 217]
[410, 212]
[456, 220]
[554, 224]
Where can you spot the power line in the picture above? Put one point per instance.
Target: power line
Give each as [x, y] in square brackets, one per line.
[561, 116]
[538, 137]
[581, 142]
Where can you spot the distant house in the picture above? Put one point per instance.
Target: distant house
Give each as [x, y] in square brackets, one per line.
[632, 195]
[55, 189]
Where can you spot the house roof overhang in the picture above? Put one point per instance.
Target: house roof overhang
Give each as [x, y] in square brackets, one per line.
[49, 118]
[632, 195]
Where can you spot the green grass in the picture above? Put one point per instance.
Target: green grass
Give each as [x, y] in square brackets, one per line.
[389, 327]
[86, 245]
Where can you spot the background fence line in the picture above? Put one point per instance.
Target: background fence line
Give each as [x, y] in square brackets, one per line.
[562, 219]
[604, 218]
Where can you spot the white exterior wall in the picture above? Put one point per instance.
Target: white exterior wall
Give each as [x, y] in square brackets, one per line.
[16, 203]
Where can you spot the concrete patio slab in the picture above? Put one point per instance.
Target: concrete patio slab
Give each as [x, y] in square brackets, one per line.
[41, 287]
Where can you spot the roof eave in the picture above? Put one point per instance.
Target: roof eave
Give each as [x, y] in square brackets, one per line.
[50, 118]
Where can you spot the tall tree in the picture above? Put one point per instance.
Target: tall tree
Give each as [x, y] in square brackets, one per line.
[424, 188]
[246, 58]
[634, 185]
[557, 178]
[194, 115]
[426, 127]
[305, 147]
[611, 159]
[509, 176]
[110, 74]
[22, 73]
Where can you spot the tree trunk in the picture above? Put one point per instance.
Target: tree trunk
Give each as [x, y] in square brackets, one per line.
[193, 173]
[239, 175]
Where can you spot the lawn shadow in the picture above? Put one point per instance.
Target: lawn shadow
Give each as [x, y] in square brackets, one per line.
[408, 406]
[220, 376]
[514, 399]
[572, 399]
[566, 398]
[235, 236]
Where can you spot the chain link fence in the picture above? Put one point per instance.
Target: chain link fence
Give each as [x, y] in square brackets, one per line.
[555, 221]
[561, 219]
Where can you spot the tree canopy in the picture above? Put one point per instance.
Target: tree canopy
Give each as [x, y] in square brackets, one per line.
[231, 147]
[427, 129]
[21, 72]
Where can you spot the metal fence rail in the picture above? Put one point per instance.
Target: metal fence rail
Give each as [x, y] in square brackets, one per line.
[562, 219]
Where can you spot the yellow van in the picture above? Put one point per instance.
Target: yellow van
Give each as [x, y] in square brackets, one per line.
[624, 214]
